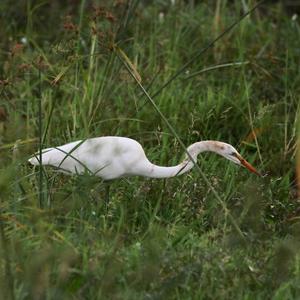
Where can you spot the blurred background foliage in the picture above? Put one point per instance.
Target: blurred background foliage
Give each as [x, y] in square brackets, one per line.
[157, 239]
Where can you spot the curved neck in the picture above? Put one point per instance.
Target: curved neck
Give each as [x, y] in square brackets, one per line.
[154, 171]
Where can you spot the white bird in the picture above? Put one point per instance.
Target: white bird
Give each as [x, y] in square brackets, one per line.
[113, 157]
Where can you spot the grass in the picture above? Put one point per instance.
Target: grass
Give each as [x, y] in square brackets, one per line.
[223, 235]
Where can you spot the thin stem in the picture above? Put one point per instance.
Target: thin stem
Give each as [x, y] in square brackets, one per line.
[40, 143]
[233, 64]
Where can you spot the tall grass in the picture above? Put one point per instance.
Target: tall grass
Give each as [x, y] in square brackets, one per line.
[159, 239]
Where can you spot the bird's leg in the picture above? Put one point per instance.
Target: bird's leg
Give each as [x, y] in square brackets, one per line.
[107, 187]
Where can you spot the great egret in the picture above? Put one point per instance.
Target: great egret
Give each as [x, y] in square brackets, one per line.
[112, 157]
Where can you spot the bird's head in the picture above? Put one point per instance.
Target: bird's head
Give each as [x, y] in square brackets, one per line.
[229, 152]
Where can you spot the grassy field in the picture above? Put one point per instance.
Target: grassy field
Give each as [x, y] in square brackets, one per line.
[66, 74]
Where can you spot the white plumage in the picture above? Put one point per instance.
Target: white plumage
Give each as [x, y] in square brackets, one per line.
[112, 157]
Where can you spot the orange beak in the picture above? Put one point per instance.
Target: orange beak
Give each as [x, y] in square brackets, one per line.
[247, 165]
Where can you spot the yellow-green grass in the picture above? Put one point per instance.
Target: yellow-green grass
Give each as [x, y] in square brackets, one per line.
[223, 235]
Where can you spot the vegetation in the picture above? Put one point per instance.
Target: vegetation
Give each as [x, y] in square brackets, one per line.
[76, 70]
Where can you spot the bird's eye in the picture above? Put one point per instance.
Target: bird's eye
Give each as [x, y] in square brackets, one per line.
[233, 154]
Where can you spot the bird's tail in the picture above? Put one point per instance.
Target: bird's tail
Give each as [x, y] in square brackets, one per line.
[35, 160]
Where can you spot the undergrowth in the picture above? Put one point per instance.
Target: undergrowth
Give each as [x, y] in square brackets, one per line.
[215, 233]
